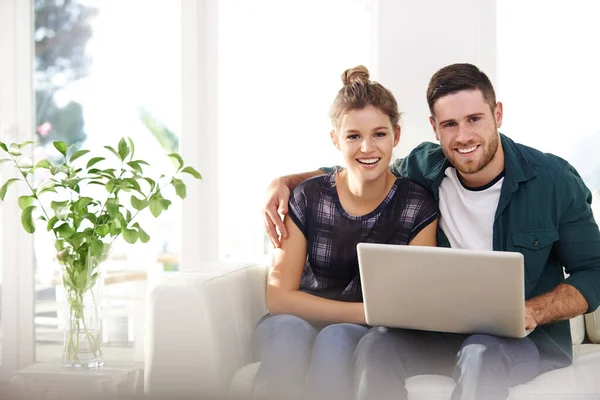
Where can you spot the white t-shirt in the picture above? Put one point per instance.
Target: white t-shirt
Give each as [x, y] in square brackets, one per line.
[467, 214]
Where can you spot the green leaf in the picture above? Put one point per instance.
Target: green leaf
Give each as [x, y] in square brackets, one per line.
[82, 203]
[13, 149]
[134, 184]
[137, 203]
[178, 158]
[102, 230]
[179, 186]
[156, 207]
[64, 230]
[51, 223]
[96, 248]
[123, 149]
[25, 201]
[113, 209]
[136, 166]
[112, 151]
[144, 237]
[58, 204]
[21, 145]
[27, 219]
[90, 217]
[151, 183]
[57, 169]
[165, 203]
[61, 147]
[192, 171]
[3, 146]
[4, 187]
[3, 160]
[131, 146]
[44, 164]
[78, 154]
[130, 235]
[62, 213]
[94, 161]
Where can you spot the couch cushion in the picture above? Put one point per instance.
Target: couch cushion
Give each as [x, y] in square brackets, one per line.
[578, 381]
[577, 329]
[592, 326]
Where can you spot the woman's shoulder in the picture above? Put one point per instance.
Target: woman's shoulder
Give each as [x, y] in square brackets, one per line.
[316, 184]
[409, 189]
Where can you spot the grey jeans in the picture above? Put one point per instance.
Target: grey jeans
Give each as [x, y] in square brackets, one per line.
[301, 360]
[483, 366]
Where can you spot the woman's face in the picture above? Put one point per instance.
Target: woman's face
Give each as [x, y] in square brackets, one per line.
[366, 139]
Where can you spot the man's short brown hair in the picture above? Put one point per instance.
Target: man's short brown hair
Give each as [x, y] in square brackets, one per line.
[458, 77]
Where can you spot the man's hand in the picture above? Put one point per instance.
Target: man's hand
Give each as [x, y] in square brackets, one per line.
[278, 195]
[530, 321]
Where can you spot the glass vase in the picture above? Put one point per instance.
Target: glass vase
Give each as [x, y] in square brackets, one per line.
[82, 281]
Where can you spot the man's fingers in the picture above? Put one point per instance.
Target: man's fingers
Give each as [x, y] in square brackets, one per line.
[270, 228]
[272, 220]
[280, 225]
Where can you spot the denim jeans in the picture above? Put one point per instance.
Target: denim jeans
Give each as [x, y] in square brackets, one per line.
[483, 366]
[300, 360]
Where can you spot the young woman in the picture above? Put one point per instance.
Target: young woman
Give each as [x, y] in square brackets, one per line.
[316, 315]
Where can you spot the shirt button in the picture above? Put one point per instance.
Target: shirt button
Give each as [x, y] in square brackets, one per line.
[536, 243]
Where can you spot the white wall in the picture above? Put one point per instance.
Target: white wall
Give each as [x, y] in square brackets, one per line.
[413, 39]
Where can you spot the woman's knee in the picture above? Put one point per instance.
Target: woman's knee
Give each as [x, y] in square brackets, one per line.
[342, 333]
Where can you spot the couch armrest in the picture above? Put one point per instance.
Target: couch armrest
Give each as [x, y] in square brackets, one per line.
[199, 328]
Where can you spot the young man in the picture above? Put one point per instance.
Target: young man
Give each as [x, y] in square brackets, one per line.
[493, 194]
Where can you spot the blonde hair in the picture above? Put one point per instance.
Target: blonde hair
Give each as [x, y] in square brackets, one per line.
[360, 92]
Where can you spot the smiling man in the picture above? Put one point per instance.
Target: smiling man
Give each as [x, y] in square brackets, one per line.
[493, 194]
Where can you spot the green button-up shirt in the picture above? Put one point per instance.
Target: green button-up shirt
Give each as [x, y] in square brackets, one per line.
[544, 213]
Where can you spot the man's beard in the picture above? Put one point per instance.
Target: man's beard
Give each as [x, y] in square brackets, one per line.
[488, 156]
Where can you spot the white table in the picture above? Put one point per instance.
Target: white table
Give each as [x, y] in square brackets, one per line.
[51, 381]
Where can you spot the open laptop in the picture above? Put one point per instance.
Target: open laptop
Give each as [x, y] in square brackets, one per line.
[442, 289]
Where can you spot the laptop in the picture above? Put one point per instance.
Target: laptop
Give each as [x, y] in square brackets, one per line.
[442, 289]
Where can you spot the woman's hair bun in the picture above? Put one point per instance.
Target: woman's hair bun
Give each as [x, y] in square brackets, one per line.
[359, 73]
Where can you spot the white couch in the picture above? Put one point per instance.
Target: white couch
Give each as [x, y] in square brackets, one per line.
[199, 329]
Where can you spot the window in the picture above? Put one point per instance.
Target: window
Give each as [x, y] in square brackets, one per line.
[279, 70]
[104, 70]
[548, 80]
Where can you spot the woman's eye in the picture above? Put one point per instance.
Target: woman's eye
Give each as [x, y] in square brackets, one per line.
[352, 137]
[380, 134]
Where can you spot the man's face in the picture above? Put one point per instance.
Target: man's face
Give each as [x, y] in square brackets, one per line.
[467, 129]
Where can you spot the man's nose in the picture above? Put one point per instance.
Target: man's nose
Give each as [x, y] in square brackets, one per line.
[464, 134]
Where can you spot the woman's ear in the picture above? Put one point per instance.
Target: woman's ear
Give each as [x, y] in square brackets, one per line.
[334, 139]
[397, 131]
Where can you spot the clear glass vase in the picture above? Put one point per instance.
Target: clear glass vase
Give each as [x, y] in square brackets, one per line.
[82, 283]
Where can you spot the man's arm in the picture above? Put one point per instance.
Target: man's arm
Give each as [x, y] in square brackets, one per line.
[277, 197]
[578, 250]
[563, 302]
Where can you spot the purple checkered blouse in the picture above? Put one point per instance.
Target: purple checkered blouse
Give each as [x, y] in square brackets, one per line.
[331, 268]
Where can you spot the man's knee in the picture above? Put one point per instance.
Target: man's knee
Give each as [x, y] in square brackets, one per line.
[488, 341]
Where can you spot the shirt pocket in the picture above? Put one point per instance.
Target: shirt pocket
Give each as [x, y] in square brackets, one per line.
[535, 247]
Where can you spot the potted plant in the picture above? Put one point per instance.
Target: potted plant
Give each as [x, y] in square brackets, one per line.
[84, 225]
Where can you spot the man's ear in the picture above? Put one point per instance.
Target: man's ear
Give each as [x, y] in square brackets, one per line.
[498, 114]
[397, 132]
[334, 139]
[432, 122]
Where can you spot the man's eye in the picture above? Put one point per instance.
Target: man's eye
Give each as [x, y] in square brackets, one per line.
[475, 119]
[449, 124]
